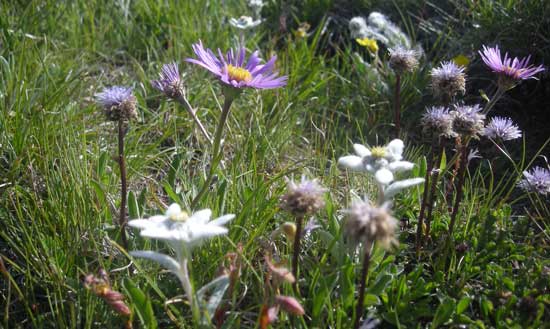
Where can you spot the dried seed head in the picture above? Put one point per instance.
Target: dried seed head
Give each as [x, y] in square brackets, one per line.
[290, 305]
[367, 223]
[403, 60]
[118, 103]
[303, 198]
[437, 121]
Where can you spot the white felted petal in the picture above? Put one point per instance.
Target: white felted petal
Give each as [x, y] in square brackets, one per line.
[352, 162]
[195, 236]
[361, 150]
[383, 176]
[395, 148]
[200, 217]
[160, 232]
[222, 220]
[142, 223]
[398, 166]
[157, 219]
[397, 186]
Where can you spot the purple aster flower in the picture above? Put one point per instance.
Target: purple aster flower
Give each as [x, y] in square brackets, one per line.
[118, 102]
[502, 128]
[509, 70]
[468, 120]
[232, 70]
[169, 81]
[448, 80]
[437, 121]
[536, 180]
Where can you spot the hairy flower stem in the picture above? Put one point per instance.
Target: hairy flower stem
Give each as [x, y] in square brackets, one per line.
[397, 105]
[363, 287]
[186, 283]
[461, 176]
[183, 101]
[498, 94]
[296, 251]
[217, 151]
[123, 185]
[425, 195]
[458, 147]
[433, 187]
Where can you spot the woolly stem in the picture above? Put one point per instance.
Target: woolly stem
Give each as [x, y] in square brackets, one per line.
[186, 283]
[296, 251]
[123, 185]
[217, 151]
[363, 287]
[433, 188]
[461, 175]
[425, 195]
[397, 105]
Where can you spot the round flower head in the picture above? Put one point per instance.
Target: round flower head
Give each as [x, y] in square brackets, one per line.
[501, 128]
[448, 80]
[536, 180]
[468, 121]
[118, 103]
[233, 71]
[367, 223]
[437, 121]
[303, 198]
[510, 71]
[169, 81]
[403, 60]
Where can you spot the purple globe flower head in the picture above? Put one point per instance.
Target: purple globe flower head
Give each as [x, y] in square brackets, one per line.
[536, 180]
[448, 79]
[118, 103]
[501, 128]
[437, 121]
[169, 81]
[468, 121]
[233, 71]
[510, 70]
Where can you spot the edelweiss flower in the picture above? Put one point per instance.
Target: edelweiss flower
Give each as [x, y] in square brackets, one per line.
[232, 70]
[181, 230]
[244, 22]
[382, 161]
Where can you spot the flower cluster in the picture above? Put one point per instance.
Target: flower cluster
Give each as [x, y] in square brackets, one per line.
[378, 27]
[502, 128]
[448, 80]
[244, 22]
[118, 103]
[536, 180]
[468, 121]
[437, 121]
[305, 197]
[367, 223]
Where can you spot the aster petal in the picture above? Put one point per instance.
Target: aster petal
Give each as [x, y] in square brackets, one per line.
[352, 162]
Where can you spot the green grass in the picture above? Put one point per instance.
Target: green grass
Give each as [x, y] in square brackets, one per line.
[59, 188]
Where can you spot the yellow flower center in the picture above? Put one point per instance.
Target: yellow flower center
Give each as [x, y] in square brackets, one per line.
[378, 152]
[238, 73]
[182, 216]
[370, 44]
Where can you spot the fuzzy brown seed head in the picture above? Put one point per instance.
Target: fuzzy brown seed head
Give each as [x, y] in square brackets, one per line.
[367, 223]
[304, 198]
[125, 110]
[403, 60]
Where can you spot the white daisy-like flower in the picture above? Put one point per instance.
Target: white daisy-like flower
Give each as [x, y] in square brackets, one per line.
[244, 22]
[180, 229]
[381, 161]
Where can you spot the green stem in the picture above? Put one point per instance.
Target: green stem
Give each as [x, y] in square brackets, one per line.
[461, 176]
[183, 101]
[397, 105]
[433, 188]
[186, 283]
[425, 196]
[217, 151]
[498, 94]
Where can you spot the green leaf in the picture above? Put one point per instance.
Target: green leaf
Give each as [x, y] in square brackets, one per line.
[133, 208]
[216, 289]
[141, 303]
[444, 312]
[381, 283]
[462, 305]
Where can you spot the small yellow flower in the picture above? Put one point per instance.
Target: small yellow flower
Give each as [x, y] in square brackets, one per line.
[370, 44]
[302, 30]
[461, 60]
